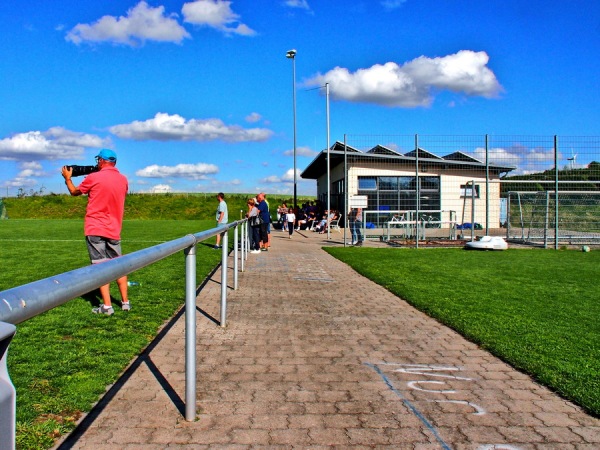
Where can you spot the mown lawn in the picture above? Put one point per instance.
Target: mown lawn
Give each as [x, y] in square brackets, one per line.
[61, 361]
[538, 310]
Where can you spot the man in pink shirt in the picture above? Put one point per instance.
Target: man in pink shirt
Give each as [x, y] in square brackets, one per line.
[106, 190]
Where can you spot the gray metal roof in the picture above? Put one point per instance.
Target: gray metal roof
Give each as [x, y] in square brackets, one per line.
[457, 160]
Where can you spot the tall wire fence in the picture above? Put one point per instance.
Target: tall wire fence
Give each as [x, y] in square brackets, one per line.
[539, 190]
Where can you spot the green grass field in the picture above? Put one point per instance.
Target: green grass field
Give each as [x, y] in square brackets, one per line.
[538, 310]
[61, 361]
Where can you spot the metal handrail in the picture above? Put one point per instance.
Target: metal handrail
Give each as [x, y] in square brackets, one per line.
[29, 300]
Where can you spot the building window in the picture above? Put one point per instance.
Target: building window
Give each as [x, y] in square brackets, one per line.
[367, 183]
[400, 193]
[466, 190]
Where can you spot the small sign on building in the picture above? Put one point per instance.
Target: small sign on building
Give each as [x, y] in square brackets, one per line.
[358, 201]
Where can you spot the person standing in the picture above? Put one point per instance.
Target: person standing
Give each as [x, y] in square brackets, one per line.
[106, 190]
[263, 208]
[355, 221]
[290, 218]
[254, 228]
[221, 216]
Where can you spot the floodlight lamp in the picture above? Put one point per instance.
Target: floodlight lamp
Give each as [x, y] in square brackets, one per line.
[291, 53]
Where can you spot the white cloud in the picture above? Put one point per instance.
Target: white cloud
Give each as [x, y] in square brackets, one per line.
[301, 151]
[142, 23]
[215, 14]
[165, 127]
[198, 171]
[26, 178]
[160, 189]
[525, 159]
[30, 169]
[414, 83]
[301, 4]
[287, 177]
[392, 4]
[55, 143]
[253, 117]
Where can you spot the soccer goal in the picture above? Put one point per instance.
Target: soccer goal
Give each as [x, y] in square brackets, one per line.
[543, 218]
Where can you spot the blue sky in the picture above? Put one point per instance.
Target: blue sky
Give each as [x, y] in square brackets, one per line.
[196, 96]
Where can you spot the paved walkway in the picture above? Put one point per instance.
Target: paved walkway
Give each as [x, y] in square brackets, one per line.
[316, 356]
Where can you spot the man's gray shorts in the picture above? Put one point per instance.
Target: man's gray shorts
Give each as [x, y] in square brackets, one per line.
[102, 249]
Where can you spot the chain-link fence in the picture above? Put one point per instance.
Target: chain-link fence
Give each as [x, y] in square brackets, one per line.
[416, 189]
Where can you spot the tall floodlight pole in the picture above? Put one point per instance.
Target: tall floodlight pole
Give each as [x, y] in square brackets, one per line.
[291, 54]
[328, 164]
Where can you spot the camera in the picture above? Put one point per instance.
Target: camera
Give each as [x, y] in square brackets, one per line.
[82, 170]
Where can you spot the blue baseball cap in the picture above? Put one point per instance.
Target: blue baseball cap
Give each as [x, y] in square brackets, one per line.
[107, 155]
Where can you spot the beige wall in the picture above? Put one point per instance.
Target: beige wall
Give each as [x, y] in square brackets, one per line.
[450, 190]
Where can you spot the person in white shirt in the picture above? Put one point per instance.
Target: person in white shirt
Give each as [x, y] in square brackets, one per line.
[290, 218]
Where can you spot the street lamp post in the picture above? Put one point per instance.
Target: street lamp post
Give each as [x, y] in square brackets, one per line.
[291, 54]
[328, 162]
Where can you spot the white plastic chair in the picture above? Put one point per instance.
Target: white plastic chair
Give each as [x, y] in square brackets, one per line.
[334, 224]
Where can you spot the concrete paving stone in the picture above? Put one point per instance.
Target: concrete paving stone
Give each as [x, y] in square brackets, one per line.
[590, 434]
[552, 419]
[427, 446]
[231, 422]
[559, 434]
[520, 419]
[269, 396]
[555, 404]
[306, 421]
[135, 436]
[269, 421]
[296, 437]
[381, 421]
[148, 447]
[481, 434]
[218, 409]
[301, 395]
[556, 446]
[250, 436]
[411, 437]
[199, 437]
[520, 434]
[354, 407]
[486, 420]
[337, 438]
[320, 408]
[517, 406]
[367, 436]
[333, 396]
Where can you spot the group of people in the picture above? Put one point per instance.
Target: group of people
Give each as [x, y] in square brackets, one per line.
[107, 188]
[259, 219]
[312, 216]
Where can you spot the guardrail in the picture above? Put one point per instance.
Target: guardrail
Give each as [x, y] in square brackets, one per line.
[24, 302]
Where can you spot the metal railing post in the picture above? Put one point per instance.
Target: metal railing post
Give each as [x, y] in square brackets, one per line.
[8, 397]
[248, 231]
[472, 210]
[225, 249]
[556, 193]
[487, 186]
[418, 191]
[243, 247]
[235, 258]
[190, 333]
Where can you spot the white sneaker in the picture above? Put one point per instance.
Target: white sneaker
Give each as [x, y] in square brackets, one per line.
[255, 251]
